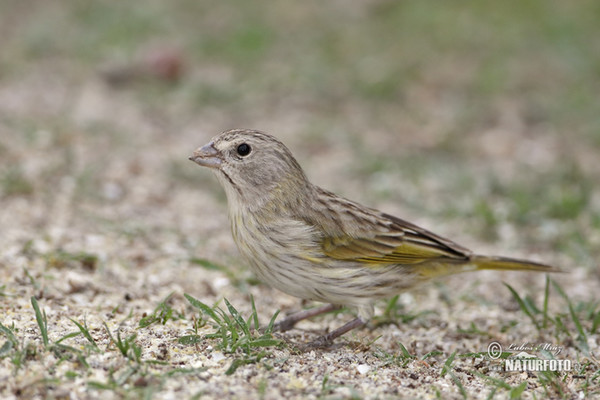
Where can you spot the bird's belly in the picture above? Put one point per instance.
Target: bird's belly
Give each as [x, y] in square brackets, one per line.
[290, 259]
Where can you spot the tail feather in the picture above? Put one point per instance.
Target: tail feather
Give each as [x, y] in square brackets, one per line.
[476, 263]
[511, 264]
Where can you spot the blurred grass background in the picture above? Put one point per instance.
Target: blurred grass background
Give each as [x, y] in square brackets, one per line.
[484, 112]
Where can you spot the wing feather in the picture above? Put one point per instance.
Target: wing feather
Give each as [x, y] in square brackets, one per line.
[399, 243]
[356, 233]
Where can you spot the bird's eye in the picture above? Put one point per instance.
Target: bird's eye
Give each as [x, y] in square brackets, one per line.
[243, 149]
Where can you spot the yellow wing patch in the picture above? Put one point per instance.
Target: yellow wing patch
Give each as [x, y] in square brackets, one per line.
[384, 249]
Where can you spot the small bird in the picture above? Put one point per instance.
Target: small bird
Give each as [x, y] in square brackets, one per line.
[315, 245]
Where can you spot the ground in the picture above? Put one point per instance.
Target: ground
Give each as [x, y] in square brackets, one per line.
[118, 274]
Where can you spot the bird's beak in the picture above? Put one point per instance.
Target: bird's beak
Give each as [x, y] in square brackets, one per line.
[207, 156]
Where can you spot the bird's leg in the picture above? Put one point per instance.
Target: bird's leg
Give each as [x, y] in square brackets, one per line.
[327, 340]
[289, 322]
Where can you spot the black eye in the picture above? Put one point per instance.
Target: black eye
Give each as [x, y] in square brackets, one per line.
[243, 149]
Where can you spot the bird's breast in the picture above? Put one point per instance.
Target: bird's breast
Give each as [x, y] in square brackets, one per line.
[284, 253]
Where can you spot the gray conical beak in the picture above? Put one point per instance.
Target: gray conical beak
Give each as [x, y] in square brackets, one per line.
[207, 156]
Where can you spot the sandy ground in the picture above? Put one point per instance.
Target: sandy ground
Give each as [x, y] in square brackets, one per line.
[141, 223]
[102, 217]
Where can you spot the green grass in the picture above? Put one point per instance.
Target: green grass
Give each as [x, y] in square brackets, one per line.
[514, 392]
[570, 327]
[13, 182]
[448, 364]
[127, 347]
[581, 339]
[573, 326]
[560, 324]
[395, 313]
[42, 321]
[136, 376]
[21, 352]
[527, 307]
[63, 259]
[401, 360]
[328, 388]
[161, 314]
[83, 328]
[234, 334]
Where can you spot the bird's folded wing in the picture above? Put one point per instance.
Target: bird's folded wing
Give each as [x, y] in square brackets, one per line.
[404, 244]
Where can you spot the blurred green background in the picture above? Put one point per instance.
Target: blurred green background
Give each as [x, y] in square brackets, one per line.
[482, 112]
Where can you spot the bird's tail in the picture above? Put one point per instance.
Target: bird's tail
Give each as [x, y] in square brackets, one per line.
[478, 263]
[510, 264]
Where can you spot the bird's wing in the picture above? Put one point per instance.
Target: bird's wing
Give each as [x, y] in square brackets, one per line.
[399, 243]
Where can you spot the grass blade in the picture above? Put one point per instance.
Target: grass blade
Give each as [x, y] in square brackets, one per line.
[582, 339]
[254, 315]
[41, 319]
[237, 318]
[497, 382]
[264, 342]
[86, 333]
[546, 296]
[459, 384]
[9, 334]
[522, 305]
[67, 336]
[204, 308]
[269, 329]
[405, 353]
[448, 364]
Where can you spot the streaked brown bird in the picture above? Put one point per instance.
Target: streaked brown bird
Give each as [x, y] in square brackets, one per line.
[315, 245]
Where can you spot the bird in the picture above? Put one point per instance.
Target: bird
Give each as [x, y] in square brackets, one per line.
[315, 245]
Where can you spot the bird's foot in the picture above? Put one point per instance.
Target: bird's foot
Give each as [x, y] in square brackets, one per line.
[326, 341]
[290, 321]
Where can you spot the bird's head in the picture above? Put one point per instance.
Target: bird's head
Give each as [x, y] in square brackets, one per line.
[253, 167]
